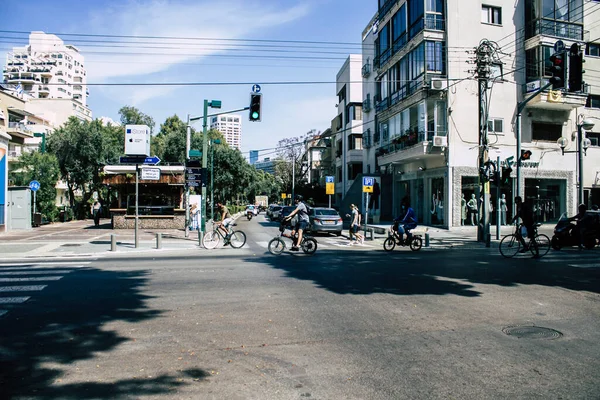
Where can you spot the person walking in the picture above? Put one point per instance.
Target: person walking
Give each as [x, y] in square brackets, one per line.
[355, 226]
[96, 211]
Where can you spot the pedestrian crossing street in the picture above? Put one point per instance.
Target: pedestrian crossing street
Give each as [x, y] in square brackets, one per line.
[20, 282]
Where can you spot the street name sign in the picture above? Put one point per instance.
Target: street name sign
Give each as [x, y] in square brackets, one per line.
[139, 160]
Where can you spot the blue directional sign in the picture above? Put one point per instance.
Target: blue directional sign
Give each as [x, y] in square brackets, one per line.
[255, 88]
[329, 179]
[139, 160]
[368, 182]
[34, 186]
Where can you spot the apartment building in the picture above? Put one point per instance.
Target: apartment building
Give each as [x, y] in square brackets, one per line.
[348, 126]
[230, 125]
[47, 68]
[422, 131]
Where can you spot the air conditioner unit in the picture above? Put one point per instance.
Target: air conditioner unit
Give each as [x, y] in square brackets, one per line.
[438, 84]
[440, 141]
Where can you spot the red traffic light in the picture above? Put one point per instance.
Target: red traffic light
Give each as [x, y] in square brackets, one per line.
[525, 155]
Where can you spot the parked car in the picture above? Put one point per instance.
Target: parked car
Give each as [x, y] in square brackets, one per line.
[285, 211]
[274, 212]
[324, 219]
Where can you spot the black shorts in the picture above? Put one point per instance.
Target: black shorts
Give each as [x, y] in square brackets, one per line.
[301, 225]
[354, 229]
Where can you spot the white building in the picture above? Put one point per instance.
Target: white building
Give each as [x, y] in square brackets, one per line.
[348, 126]
[425, 136]
[48, 69]
[230, 125]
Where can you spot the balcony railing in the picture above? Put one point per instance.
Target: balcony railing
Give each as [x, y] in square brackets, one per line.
[435, 22]
[366, 139]
[402, 142]
[548, 27]
[366, 70]
[18, 126]
[385, 9]
[367, 104]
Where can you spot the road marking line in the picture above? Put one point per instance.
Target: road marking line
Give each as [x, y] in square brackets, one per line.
[33, 272]
[14, 300]
[32, 279]
[42, 264]
[30, 288]
[48, 234]
[2, 312]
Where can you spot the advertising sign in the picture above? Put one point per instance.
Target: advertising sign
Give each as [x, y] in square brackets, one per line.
[137, 140]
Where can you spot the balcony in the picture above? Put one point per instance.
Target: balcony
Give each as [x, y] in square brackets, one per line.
[385, 9]
[354, 156]
[19, 129]
[554, 100]
[407, 147]
[558, 29]
[367, 104]
[17, 78]
[366, 70]
[44, 89]
[435, 22]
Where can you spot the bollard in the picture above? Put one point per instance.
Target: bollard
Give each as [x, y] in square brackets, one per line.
[159, 240]
[113, 242]
[427, 239]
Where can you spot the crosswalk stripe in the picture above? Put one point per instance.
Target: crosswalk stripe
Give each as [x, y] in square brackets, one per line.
[30, 288]
[34, 272]
[2, 312]
[14, 300]
[32, 279]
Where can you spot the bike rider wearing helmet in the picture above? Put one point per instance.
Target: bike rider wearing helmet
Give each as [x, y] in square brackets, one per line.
[525, 212]
[303, 219]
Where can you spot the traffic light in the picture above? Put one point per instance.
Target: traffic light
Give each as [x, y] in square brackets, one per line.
[505, 179]
[558, 70]
[255, 105]
[575, 69]
[525, 155]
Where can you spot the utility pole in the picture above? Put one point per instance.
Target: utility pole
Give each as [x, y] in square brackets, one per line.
[188, 139]
[486, 54]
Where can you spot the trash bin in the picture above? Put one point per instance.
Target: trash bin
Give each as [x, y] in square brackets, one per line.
[37, 219]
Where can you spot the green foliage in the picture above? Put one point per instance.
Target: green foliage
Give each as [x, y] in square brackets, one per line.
[82, 148]
[132, 116]
[44, 169]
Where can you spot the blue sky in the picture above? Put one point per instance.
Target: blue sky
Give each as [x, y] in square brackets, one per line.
[288, 110]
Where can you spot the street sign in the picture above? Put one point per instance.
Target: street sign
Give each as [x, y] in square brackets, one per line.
[151, 174]
[329, 185]
[283, 195]
[34, 186]
[368, 182]
[193, 171]
[139, 160]
[559, 46]
[255, 88]
[193, 183]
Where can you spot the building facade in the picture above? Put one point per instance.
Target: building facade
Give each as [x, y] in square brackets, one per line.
[422, 134]
[47, 68]
[230, 125]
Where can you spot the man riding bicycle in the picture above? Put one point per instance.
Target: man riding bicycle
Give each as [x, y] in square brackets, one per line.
[226, 220]
[303, 220]
[525, 212]
[406, 222]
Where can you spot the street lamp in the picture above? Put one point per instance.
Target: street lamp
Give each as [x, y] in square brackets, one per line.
[212, 175]
[582, 145]
[43, 136]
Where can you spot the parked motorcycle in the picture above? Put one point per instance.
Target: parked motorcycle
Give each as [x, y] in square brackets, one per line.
[566, 233]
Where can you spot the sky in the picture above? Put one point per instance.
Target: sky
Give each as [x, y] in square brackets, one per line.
[232, 42]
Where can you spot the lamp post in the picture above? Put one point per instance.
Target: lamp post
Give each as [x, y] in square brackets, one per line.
[43, 136]
[582, 145]
[212, 104]
[212, 177]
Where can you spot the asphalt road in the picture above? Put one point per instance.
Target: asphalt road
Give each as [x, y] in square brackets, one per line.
[346, 323]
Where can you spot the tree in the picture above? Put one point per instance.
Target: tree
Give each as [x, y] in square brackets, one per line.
[132, 116]
[82, 148]
[42, 167]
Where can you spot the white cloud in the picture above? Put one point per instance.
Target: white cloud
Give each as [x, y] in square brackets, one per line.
[225, 19]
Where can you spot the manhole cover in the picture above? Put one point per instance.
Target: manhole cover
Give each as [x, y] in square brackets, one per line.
[70, 245]
[532, 332]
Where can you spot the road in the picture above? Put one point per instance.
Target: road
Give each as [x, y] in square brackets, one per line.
[346, 323]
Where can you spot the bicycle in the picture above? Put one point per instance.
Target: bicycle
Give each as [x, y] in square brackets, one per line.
[539, 245]
[212, 238]
[277, 244]
[415, 242]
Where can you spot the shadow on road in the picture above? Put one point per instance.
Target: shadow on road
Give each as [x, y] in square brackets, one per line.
[439, 272]
[66, 322]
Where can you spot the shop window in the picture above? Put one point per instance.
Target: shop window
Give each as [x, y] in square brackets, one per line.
[436, 208]
[546, 131]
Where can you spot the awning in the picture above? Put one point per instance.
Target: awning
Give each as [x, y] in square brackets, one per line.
[20, 112]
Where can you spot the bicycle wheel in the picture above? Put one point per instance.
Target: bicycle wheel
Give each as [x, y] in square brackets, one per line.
[309, 246]
[389, 244]
[416, 243]
[211, 240]
[509, 246]
[540, 245]
[237, 239]
[276, 246]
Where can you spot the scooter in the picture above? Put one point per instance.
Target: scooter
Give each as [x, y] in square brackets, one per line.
[566, 234]
[249, 215]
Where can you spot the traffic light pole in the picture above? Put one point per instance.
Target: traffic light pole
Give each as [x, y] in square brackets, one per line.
[187, 188]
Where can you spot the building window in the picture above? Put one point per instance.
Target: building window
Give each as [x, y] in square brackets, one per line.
[546, 131]
[496, 125]
[592, 49]
[594, 138]
[593, 101]
[491, 15]
[353, 113]
[434, 53]
[342, 95]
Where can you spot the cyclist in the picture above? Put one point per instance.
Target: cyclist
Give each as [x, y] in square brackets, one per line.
[525, 212]
[583, 223]
[226, 220]
[303, 220]
[406, 222]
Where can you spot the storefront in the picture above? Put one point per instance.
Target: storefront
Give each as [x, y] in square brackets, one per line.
[548, 198]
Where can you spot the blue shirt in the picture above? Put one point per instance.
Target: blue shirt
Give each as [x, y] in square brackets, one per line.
[410, 219]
